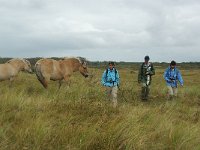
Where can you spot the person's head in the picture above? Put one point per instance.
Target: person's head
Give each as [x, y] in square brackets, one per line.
[146, 59]
[172, 64]
[111, 65]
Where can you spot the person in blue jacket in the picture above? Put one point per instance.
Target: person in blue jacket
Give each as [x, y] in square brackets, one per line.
[110, 79]
[172, 75]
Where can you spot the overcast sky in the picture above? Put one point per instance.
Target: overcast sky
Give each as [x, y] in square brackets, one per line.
[119, 30]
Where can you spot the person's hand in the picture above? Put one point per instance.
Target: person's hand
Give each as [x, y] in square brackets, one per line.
[170, 81]
[147, 73]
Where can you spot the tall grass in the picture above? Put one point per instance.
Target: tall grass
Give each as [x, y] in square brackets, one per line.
[78, 116]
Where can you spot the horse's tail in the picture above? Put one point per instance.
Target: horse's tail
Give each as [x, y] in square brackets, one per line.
[39, 75]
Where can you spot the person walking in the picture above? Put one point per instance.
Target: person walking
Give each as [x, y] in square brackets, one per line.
[111, 79]
[146, 71]
[172, 75]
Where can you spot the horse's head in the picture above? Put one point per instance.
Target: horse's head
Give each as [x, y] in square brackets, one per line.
[27, 66]
[83, 67]
[20, 64]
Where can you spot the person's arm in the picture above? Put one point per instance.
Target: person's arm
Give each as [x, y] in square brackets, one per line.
[152, 72]
[103, 79]
[180, 79]
[117, 78]
[140, 74]
[166, 77]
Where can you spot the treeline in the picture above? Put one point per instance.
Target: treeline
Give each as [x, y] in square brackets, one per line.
[133, 65]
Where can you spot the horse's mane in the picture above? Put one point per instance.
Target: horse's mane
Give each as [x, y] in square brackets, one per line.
[80, 59]
[13, 59]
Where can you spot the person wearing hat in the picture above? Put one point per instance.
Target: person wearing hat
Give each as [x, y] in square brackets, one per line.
[110, 79]
[146, 70]
[172, 75]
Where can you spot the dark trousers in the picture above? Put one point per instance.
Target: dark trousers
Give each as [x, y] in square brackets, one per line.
[145, 91]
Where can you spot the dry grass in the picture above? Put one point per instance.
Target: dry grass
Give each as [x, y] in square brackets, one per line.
[79, 117]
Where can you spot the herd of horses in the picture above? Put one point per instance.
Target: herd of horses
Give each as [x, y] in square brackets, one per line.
[45, 69]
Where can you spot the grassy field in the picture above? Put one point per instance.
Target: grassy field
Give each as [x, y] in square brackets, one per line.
[79, 117]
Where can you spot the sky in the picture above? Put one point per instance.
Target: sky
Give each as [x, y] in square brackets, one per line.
[117, 30]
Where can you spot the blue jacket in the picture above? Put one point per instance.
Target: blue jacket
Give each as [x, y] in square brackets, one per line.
[171, 77]
[110, 78]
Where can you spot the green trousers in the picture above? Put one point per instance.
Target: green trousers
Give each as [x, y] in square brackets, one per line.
[145, 91]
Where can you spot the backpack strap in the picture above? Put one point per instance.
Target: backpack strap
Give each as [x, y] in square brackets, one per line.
[142, 68]
[142, 65]
[115, 74]
[106, 74]
[176, 72]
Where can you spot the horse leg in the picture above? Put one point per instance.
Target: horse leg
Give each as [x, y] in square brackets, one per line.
[59, 86]
[60, 83]
[66, 78]
[67, 81]
[44, 82]
[11, 82]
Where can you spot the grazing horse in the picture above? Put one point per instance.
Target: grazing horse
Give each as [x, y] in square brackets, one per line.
[50, 69]
[10, 69]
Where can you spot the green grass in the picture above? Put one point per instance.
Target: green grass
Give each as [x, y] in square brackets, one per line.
[79, 117]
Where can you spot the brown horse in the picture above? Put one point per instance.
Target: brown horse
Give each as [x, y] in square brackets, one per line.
[50, 69]
[11, 68]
